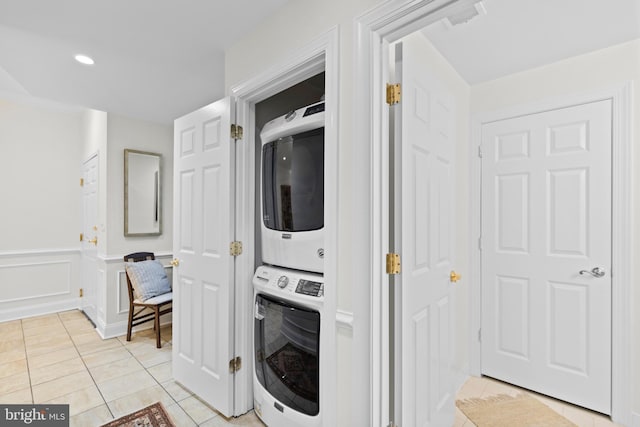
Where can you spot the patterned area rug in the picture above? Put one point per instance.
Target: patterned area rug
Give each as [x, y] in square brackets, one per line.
[151, 416]
[503, 410]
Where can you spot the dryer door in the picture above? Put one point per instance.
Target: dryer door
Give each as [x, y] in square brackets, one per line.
[287, 340]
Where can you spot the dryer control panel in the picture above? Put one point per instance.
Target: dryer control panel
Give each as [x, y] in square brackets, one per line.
[287, 282]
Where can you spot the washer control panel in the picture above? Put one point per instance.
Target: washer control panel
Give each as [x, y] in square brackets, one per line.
[289, 281]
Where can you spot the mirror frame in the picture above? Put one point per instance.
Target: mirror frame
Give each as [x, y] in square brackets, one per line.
[158, 193]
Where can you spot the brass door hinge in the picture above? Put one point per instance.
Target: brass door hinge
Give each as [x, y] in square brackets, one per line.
[235, 364]
[393, 93]
[393, 264]
[81, 182]
[235, 248]
[236, 131]
[81, 292]
[81, 237]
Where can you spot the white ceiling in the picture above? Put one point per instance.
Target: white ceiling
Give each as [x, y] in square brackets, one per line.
[159, 59]
[517, 35]
[155, 59]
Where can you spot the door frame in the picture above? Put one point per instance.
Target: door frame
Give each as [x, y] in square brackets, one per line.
[321, 54]
[374, 31]
[621, 244]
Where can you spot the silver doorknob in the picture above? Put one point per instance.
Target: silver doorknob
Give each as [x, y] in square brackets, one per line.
[595, 272]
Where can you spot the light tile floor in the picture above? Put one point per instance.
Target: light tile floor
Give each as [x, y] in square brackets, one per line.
[59, 358]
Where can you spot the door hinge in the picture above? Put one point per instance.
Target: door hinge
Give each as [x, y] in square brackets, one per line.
[235, 364]
[480, 335]
[81, 182]
[236, 131]
[81, 293]
[393, 264]
[235, 248]
[393, 93]
[480, 151]
[81, 237]
[480, 243]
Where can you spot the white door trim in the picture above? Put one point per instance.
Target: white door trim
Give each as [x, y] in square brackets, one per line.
[321, 54]
[622, 271]
[386, 23]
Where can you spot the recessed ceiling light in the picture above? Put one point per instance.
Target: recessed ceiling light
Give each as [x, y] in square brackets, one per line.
[84, 59]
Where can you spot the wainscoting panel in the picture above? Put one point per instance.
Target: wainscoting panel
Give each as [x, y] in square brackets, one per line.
[38, 282]
[35, 280]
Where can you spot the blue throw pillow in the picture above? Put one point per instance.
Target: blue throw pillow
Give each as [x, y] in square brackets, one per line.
[148, 279]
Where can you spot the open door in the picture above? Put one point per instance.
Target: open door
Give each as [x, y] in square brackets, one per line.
[424, 147]
[203, 278]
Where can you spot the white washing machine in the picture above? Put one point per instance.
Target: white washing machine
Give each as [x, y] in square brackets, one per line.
[286, 370]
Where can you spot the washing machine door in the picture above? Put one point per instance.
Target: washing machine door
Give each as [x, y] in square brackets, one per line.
[287, 341]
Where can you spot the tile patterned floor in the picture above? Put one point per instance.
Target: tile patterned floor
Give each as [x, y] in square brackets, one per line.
[59, 358]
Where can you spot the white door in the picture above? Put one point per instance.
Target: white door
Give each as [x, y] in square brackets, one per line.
[546, 224]
[89, 241]
[203, 285]
[424, 189]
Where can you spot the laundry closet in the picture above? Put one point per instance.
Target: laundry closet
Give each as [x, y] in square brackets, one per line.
[245, 341]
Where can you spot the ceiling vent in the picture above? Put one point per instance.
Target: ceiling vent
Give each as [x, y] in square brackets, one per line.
[465, 15]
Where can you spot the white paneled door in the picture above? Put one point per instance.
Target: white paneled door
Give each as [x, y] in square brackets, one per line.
[89, 241]
[546, 253]
[424, 211]
[203, 341]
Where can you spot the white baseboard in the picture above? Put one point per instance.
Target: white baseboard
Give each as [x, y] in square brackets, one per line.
[635, 419]
[39, 309]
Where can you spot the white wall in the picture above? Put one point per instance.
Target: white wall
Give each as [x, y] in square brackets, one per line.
[40, 175]
[123, 132]
[581, 75]
[94, 133]
[40, 152]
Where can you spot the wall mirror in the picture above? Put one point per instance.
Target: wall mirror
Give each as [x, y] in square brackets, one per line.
[142, 207]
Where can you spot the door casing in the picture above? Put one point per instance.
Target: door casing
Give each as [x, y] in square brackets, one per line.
[375, 31]
[621, 235]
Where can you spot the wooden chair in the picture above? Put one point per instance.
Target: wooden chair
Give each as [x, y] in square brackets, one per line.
[155, 304]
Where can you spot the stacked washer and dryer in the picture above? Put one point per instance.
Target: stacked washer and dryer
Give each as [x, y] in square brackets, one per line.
[289, 286]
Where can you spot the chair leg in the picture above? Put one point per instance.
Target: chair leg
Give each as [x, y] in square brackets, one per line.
[129, 325]
[156, 324]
